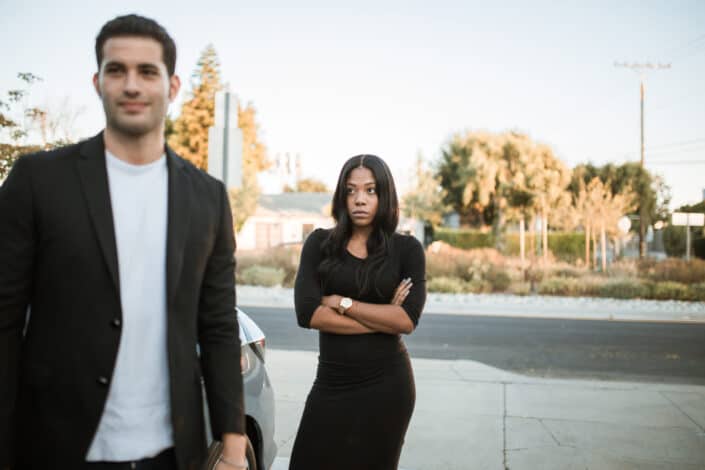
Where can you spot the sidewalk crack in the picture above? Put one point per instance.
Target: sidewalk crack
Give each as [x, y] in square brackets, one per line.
[550, 433]
[663, 394]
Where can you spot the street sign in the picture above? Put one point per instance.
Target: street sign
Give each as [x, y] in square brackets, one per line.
[624, 224]
[689, 219]
[225, 142]
[693, 219]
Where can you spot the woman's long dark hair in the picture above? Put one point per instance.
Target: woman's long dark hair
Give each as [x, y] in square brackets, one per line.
[383, 225]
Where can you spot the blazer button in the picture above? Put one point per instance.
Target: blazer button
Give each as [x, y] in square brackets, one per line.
[116, 322]
[103, 380]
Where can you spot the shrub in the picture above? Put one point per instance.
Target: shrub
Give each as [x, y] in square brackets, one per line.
[624, 289]
[445, 284]
[464, 238]
[674, 240]
[567, 271]
[478, 286]
[623, 268]
[676, 270]
[257, 275]
[559, 286]
[669, 290]
[520, 288]
[699, 248]
[498, 279]
[697, 292]
[567, 246]
[285, 258]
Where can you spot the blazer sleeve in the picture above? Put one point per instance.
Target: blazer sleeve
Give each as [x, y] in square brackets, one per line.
[17, 242]
[413, 265]
[219, 332]
[307, 287]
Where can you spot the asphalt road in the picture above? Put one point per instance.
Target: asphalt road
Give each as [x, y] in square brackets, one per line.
[610, 350]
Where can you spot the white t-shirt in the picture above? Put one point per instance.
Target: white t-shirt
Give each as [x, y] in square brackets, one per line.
[136, 422]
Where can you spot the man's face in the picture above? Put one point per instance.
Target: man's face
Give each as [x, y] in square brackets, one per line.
[134, 85]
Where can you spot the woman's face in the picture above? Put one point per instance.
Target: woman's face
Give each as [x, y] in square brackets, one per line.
[361, 191]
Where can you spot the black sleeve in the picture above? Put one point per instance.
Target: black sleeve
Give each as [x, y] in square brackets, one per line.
[307, 288]
[413, 265]
[17, 248]
[218, 331]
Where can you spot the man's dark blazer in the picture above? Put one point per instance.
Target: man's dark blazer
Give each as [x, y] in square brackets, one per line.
[58, 256]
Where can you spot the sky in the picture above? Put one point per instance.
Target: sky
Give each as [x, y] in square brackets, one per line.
[332, 79]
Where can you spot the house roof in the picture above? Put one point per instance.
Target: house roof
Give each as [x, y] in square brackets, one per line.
[311, 203]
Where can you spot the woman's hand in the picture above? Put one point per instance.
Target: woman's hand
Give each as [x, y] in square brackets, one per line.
[332, 301]
[402, 291]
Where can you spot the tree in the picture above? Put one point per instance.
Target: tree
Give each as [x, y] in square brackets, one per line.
[653, 194]
[548, 188]
[188, 135]
[490, 178]
[425, 200]
[18, 120]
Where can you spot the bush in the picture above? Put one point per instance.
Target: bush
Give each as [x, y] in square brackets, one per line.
[699, 248]
[625, 289]
[285, 258]
[697, 292]
[478, 286]
[669, 290]
[674, 269]
[520, 288]
[267, 276]
[464, 238]
[566, 246]
[559, 286]
[674, 240]
[498, 279]
[445, 284]
[623, 268]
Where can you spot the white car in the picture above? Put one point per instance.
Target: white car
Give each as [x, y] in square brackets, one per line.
[259, 396]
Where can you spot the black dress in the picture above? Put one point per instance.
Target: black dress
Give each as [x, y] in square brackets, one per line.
[359, 407]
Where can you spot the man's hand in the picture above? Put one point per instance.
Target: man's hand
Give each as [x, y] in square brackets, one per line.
[402, 291]
[234, 446]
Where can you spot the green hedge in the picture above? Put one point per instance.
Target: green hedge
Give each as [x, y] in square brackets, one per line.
[566, 246]
[464, 238]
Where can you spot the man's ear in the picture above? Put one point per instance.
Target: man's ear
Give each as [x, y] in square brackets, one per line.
[96, 83]
[174, 87]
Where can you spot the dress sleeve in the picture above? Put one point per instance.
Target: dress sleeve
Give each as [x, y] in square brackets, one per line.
[307, 288]
[413, 265]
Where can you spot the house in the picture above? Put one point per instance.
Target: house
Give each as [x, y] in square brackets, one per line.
[284, 218]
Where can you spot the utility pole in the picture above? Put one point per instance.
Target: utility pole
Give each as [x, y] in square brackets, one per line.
[640, 68]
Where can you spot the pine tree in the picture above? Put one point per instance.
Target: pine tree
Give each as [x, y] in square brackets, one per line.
[189, 137]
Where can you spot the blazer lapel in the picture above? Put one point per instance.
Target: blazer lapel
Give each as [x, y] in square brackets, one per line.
[178, 220]
[94, 179]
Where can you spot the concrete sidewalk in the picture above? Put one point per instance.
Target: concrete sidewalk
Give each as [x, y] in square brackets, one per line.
[472, 416]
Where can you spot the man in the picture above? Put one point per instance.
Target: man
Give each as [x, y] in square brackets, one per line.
[116, 259]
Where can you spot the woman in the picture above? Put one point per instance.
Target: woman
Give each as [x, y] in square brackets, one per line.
[361, 285]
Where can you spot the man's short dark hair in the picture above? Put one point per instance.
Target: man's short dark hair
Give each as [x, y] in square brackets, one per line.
[135, 25]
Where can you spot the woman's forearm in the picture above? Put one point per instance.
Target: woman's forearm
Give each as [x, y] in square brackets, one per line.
[385, 318]
[329, 321]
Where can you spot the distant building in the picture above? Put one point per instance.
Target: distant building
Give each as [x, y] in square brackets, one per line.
[288, 218]
[284, 219]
